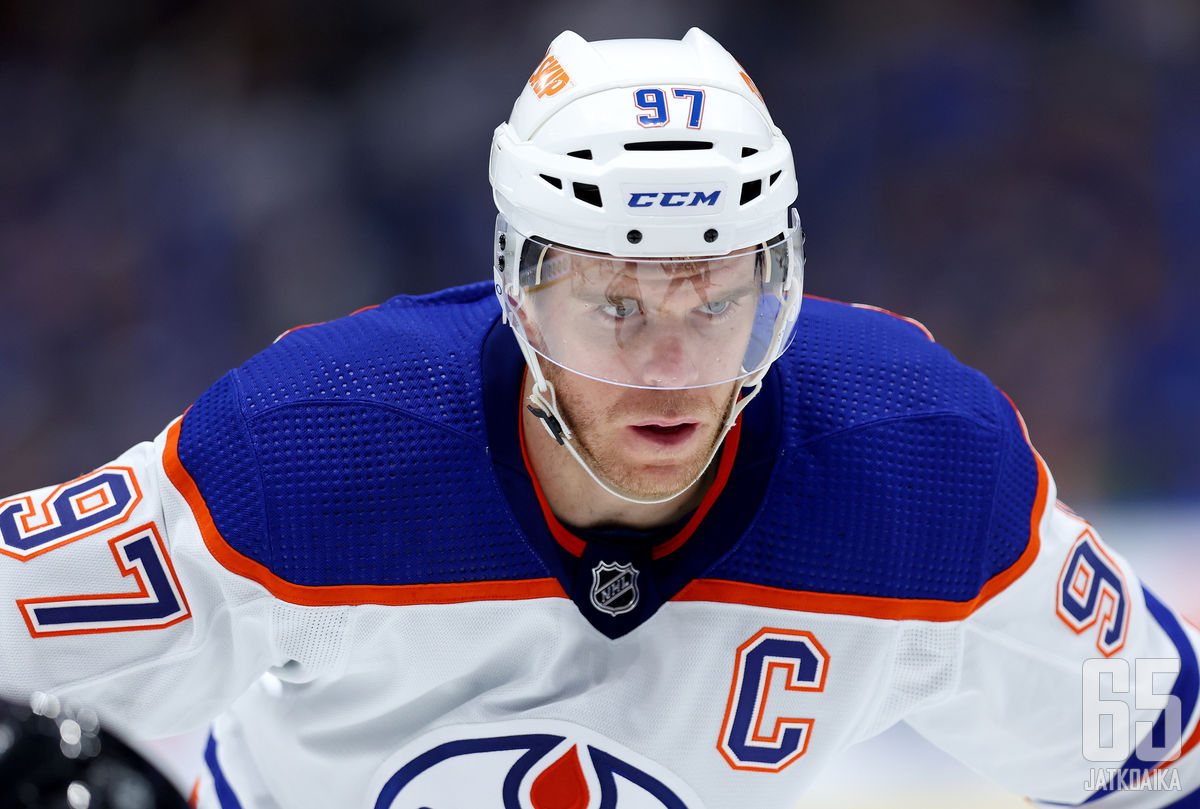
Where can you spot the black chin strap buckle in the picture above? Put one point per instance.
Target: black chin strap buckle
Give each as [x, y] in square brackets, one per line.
[551, 423]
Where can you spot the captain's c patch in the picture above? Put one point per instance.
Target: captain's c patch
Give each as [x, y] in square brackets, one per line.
[764, 728]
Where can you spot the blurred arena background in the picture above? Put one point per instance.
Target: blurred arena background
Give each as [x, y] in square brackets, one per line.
[182, 181]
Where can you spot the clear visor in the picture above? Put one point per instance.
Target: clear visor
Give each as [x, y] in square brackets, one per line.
[682, 322]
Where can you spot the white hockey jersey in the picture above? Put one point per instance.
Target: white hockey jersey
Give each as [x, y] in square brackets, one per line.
[339, 557]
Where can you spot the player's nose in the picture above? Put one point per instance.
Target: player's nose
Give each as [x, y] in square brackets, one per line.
[666, 360]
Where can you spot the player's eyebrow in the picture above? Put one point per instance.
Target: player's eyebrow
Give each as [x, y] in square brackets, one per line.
[713, 278]
[624, 285]
[740, 291]
[606, 277]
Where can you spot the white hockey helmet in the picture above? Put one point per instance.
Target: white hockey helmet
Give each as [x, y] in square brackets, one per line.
[602, 127]
[638, 149]
[644, 235]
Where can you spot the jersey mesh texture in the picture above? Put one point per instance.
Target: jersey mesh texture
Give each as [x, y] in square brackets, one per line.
[923, 669]
[1016, 488]
[314, 637]
[215, 450]
[891, 469]
[418, 353]
[368, 495]
[368, 437]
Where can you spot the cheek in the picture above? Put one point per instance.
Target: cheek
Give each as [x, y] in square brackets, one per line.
[586, 396]
[578, 396]
[721, 400]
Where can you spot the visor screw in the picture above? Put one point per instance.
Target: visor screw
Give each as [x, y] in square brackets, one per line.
[634, 236]
[710, 235]
[500, 262]
[500, 240]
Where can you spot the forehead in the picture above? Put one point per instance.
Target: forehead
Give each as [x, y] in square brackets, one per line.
[591, 270]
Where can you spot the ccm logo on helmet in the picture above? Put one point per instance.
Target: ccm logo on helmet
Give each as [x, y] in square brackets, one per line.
[673, 199]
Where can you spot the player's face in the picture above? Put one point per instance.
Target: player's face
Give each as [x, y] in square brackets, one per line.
[645, 442]
[666, 328]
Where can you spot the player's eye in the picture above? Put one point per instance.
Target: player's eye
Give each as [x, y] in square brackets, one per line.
[621, 308]
[714, 308]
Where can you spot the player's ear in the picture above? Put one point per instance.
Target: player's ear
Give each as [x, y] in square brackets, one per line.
[529, 326]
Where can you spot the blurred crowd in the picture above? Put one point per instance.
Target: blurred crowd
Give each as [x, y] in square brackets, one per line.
[181, 181]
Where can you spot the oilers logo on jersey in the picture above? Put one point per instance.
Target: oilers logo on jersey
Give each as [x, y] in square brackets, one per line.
[528, 765]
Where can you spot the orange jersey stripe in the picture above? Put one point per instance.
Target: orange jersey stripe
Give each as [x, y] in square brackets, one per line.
[322, 322]
[881, 310]
[898, 609]
[337, 595]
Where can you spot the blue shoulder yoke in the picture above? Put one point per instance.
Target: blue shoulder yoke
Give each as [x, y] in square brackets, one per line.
[902, 473]
[354, 452]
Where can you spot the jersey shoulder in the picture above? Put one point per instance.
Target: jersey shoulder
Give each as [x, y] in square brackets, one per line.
[902, 474]
[419, 353]
[854, 365]
[354, 452]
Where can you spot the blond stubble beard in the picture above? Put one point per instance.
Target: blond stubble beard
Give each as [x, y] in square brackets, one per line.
[584, 426]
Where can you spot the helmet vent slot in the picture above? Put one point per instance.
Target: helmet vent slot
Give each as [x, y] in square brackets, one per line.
[668, 145]
[775, 177]
[751, 190]
[749, 150]
[554, 181]
[582, 154]
[586, 192]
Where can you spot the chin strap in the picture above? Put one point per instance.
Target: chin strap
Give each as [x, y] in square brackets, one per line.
[549, 422]
[543, 403]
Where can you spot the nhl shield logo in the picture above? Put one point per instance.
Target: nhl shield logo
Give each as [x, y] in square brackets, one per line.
[614, 588]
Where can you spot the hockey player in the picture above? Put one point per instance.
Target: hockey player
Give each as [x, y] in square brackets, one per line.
[678, 544]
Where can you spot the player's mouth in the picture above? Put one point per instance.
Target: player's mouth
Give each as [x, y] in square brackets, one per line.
[666, 434]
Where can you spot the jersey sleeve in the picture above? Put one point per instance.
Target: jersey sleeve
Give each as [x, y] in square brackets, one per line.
[110, 598]
[1075, 683]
